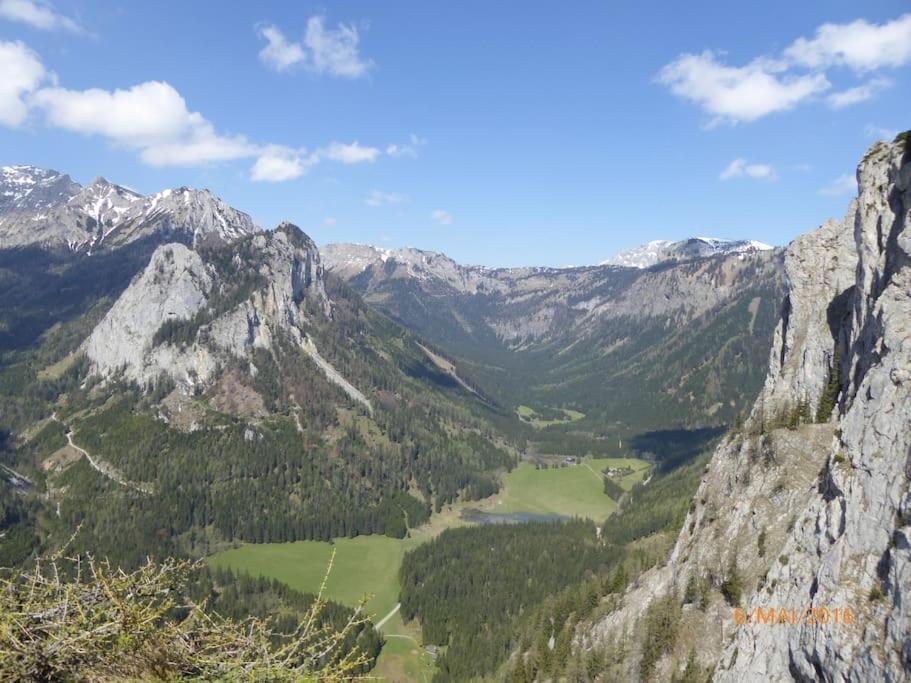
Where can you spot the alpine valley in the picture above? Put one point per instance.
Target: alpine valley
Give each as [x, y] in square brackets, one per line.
[533, 474]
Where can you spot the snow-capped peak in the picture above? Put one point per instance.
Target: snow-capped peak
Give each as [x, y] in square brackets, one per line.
[28, 188]
[45, 207]
[658, 251]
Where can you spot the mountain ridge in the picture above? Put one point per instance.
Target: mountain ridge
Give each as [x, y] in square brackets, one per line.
[349, 258]
[47, 209]
[658, 251]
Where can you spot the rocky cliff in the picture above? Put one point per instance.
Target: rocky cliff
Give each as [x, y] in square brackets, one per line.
[192, 310]
[808, 505]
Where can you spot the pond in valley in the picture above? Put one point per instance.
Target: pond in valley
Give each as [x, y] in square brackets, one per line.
[480, 517]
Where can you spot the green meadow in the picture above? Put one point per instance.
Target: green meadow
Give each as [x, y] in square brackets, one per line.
[365, 567]
[573, 491]
[531, 416]
[368, 566]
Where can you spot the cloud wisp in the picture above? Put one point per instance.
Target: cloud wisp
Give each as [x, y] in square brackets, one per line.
[379, 198]
[39, 15]
[406, 149]
[323, 51]
[842, 185]
[741, 168]
[441, 217]
[767, 85]
[858, 94]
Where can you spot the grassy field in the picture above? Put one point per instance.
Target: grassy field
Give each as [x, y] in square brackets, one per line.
[574, 491]
[529, 415]
[364, 566]
[369, 565]
[403, 658]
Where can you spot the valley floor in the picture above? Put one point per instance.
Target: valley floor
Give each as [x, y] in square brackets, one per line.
[368, 566]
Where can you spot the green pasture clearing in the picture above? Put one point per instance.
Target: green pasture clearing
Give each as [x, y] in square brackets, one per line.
[572, 491]
[363, 565]
[530, 416]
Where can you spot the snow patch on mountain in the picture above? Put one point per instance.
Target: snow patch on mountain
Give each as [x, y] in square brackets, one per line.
[27, 188]
[658, 251]
[47, 208]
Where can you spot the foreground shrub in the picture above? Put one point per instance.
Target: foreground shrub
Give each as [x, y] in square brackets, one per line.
[82, 619]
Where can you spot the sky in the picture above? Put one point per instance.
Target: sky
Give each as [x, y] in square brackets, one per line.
[501, 133]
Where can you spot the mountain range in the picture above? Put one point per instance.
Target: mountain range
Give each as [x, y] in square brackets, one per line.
[589, 339]
[175, 379]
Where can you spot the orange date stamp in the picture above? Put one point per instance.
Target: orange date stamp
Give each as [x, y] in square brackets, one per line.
[808, 616]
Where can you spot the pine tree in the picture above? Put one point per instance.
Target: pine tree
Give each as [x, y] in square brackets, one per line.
[829, 396]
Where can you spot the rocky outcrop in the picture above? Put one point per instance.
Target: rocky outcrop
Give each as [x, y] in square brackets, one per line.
[174, 286]
[190, 311]
[811, 510]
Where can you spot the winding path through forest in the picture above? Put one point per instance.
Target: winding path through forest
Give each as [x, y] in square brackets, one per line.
[102, 467]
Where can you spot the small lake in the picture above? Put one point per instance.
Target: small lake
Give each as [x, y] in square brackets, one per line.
[480, 517]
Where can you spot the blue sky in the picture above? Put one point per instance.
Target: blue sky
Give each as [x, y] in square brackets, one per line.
[505, 133]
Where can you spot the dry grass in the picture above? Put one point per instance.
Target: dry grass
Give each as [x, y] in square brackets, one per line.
[81, 619]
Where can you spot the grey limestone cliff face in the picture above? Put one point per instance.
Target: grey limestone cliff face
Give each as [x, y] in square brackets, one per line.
[851, 545]
[817, 515]
[175, 285]
[225, 302]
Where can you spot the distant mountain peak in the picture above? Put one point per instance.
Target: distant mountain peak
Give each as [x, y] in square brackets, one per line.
[29, 188]
[45, 207]
[658, 251]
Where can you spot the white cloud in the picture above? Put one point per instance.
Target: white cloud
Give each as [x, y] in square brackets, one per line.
[408, 149]
[277, 164]
[770, 84]
[842, 185]
[334, 51]
[859, 45]
[740, 168]
[353, 153]
[738, 94]
[323, 50]
[378, 198]
[280, 53]
[21, 72]
[880, 132]
[38, 15]
[860, 93]
[442, 217]
[151, 117]
[329, 221]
